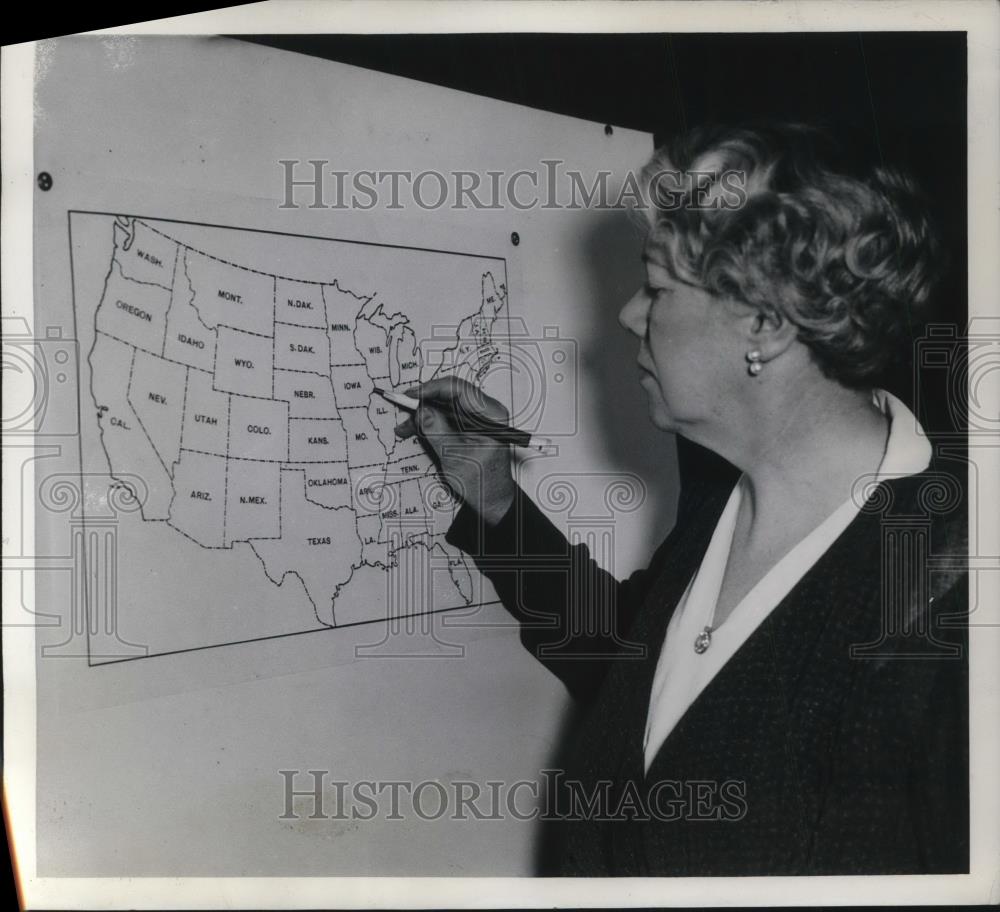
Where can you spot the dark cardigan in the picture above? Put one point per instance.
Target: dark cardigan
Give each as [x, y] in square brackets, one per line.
[834, 741]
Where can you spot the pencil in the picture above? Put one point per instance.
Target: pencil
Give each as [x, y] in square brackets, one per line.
[503, 433]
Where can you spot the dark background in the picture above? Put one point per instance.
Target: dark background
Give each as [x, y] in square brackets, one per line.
[895, 98]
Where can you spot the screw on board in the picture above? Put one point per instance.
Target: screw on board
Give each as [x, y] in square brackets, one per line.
[515, 238]
[45, 180]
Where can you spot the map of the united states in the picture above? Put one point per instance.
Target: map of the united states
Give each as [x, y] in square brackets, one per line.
[245, 402]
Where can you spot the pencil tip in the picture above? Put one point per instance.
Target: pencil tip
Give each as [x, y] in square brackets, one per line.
[379, 390]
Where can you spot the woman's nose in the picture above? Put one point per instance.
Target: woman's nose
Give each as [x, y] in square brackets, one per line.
[634, 314]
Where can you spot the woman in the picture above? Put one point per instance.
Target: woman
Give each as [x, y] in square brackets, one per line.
[780, 692]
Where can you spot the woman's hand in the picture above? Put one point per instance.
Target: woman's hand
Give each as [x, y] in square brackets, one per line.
[475, 466]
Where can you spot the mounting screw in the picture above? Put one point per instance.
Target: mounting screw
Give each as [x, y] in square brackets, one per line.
[608, 129]
[515, 238]
[45, 180]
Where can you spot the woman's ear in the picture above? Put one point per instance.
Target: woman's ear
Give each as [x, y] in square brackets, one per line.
[769, 333]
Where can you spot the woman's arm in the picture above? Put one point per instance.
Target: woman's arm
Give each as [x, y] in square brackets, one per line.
[574, 616]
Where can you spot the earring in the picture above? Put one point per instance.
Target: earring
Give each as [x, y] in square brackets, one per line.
[754, 365]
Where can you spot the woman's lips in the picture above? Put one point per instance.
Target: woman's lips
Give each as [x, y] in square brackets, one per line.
[647, 380]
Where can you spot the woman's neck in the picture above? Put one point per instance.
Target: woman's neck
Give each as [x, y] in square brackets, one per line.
[801, 457]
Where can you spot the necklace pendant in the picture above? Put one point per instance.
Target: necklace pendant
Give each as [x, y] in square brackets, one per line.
[703, 640]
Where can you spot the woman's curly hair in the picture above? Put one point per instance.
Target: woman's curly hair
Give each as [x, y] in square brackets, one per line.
[763, 215]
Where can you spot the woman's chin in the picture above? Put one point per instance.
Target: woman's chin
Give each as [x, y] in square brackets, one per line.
[659, 416]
